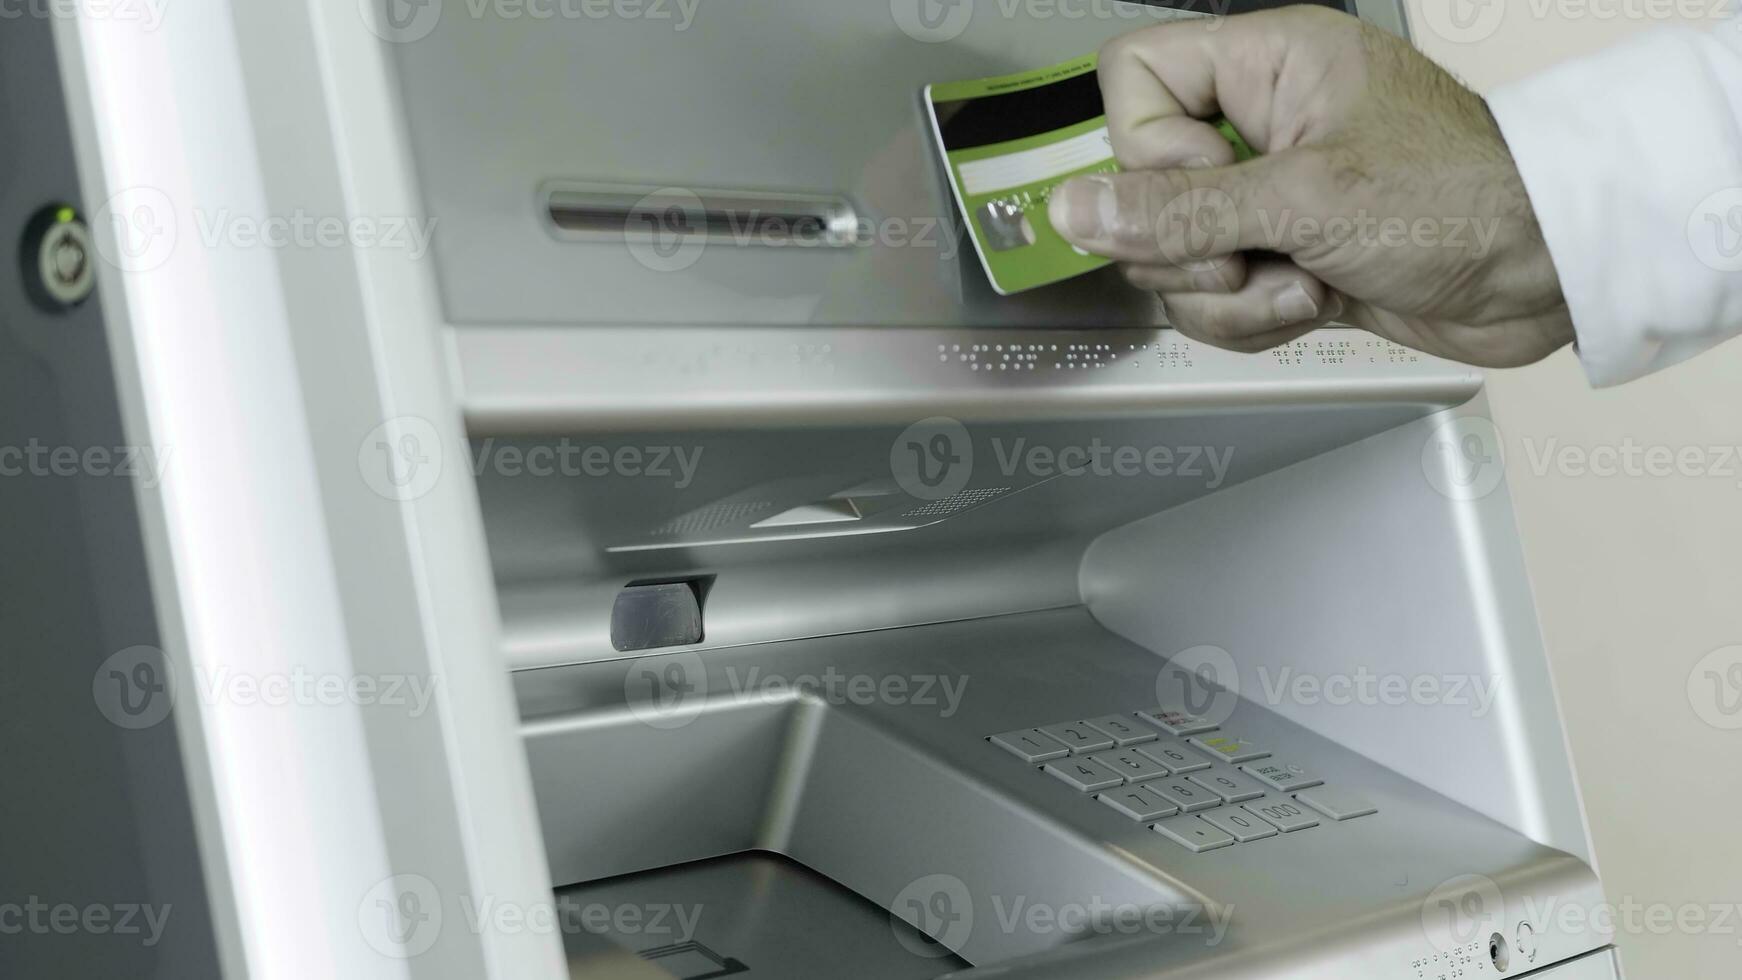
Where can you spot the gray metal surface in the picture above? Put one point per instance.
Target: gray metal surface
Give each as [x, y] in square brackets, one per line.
[881, 793]
[876, 796]
[277, 546]
[1601, 965]
[782, 96]
[772, 916]
[827, 109]
[551, 536]
[1371, 561]
[787, 97]
[95, 816]
[518, 380]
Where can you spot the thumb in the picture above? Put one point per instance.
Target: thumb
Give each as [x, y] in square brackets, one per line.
[1185, 217]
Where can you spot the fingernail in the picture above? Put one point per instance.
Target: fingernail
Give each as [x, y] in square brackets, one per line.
[1083, 208]
[1295, 305]
[1334, 305]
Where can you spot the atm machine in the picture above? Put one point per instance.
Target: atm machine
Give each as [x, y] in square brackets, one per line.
[703, 600]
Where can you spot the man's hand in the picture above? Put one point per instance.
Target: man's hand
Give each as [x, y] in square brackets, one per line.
[1385, 197]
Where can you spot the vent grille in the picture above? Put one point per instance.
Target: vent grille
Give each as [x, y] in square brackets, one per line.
[958, 501]
[729, 513]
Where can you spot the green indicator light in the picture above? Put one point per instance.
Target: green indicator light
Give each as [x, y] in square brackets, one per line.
[65, 215]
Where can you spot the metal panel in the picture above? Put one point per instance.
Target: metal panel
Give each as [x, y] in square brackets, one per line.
[775, 918]
[276, 550]
[782, 96]
[519, 380]
[1377, 560]
[890, 794]
[552, 534]
[99, 810]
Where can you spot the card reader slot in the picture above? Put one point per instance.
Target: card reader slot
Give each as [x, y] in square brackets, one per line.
[668, 217]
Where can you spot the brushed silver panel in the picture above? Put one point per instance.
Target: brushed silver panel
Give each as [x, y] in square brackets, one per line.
[878, 793]
[516, 380]
[552, 537]
[1359, 565]
[775, 96]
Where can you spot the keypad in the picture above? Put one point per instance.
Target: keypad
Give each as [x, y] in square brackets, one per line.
[1031, 745]
[1285, 815]
[1085, 774]
[1184, 794]
[1176, 722]
[1177, 787]
[1240, 825]
[1079, 736]
[1232, 748]
[1139, 803]
[1281, 774]
[1228, 785]
[1194, 833]
[1122, 729]
[1175, 756]
[1132, 764]
[1338, 804]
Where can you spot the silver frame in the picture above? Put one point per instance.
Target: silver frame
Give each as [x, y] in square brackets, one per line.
[269, 552]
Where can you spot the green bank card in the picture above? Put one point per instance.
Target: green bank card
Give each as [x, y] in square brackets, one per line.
[1009, 142]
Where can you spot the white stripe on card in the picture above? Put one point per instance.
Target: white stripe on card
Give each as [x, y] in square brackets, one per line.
[1033, 166]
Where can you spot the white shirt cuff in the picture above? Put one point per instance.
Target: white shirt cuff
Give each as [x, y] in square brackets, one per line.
[1633, 162]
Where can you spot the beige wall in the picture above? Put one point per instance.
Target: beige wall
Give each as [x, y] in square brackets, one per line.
[1638, 579]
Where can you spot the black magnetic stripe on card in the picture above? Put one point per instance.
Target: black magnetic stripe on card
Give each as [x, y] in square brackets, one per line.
[990, 119]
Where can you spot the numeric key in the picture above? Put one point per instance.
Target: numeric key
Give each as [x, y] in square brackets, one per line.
[1285, 815]
[1080, 736]
[1086, 775]
[1031, 745]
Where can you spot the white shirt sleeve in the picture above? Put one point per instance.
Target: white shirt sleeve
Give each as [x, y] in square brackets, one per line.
[1633, 162]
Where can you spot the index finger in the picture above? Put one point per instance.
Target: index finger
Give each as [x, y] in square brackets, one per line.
[1159, 84]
